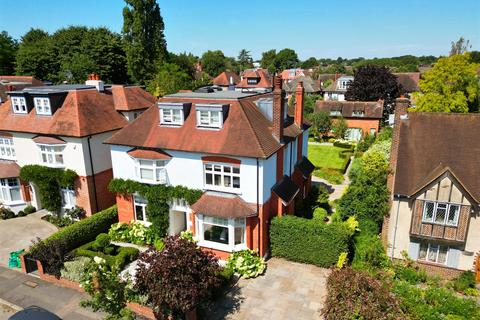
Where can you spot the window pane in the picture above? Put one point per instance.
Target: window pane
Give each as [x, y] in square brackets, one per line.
[227, 169]
[442, 255]
[453, 214]
[59, 158]
[160, 163]
[208, 167]
[227, 181]
[146, 163]
[422, 254]
[441, 213]
[236, 182]
[239, 235]
[236, 170]
[215, 233]
[215, 117]
[146, 174]
[139, 213]
[217, 168]
[432, 253]
[15, 194]
[218, 180]
[209, 178]
[428, 211]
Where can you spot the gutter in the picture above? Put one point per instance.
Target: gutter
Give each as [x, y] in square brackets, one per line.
[93, 173]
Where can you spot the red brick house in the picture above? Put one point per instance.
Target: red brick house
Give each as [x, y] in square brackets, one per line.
[242, 149]
[226, 80]
[258, 80]
[362, 117]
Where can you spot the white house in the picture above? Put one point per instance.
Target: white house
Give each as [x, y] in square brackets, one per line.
[243, 150]
[64, 127]
[336, 91]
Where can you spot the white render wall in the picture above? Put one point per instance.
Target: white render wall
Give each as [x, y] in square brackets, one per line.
[101, 156]
[305, 143]
[186, 168]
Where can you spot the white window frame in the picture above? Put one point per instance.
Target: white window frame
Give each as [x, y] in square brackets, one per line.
[229, 172]
[7, 149]
[19, 105]
[231, 224]
[430, 247]
[69, 198]
[139, 201]
[447, 213]
[167, 116]
[42, 106]
[157, 167]
[252, 81]
[335, 113]
[6, 187]
[358, 113]
[52, 150]
[208, 111]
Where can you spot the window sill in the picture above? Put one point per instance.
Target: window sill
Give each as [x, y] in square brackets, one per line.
[221, 247]
[226, 190]
[145, 223]
[13, 203]
[440, 224]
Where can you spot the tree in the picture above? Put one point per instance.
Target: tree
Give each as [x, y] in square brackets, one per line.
[372, 83]
[213, 62]
[452, 85]
[460, 46]
[321, 123]
[177, 278]
[269, 60]
[8, 49]
[169, 79]
[286, 59]
[310, 63]
[339, 128]
[245, 59]
[186, 62]
[144, 41]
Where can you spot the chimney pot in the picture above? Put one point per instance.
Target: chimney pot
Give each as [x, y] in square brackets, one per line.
[277, 81]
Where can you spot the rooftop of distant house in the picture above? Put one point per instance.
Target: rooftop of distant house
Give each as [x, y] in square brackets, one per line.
[226, 78]
[352, 109]
[255, 78]
[339, 85]
[408, 80]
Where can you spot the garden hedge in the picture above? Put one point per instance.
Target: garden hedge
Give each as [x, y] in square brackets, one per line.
[125, 255]
[86, 230]
[308, 240]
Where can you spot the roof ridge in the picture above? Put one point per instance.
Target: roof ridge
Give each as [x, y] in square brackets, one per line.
[251, 127]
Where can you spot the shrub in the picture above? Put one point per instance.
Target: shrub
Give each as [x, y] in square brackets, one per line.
[344, 145]
[51, 254]
[58, 221]
[118, 258]
[309, 241]
[356, 295]
[29, 209]
[135, 232]
[158, 244]
[6, 213]
[472, 292]
[21, 213]
[102, 241]
[177, 278]
[76, 213]
[409, 274]
[365, 143]
[369, 253]
[74, 270]
[320, 215]
[464, 281]
[227, 274]
[246, 263]
[85, 230]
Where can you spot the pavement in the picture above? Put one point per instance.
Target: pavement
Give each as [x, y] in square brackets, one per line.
[18, 233]
[288, 290]
[18, 290]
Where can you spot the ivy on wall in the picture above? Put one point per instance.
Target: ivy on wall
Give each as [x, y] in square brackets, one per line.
[49, 181]
[158, 198]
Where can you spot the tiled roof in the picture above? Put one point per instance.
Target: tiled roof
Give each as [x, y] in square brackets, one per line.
[223, 79]
[48, 140]
[127, 98]
[16, 83]
[263, 74]
[83, 112]
[408, 80]
[9, 169]
[371, 109]
[245, 132]
[305, 167]
[309, 85]
[433, 143]
[222, 205]
[149, 154]
[285, 189]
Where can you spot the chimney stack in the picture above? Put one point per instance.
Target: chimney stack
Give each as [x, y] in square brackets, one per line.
[94, 80]
[278, 112]
[298, 118]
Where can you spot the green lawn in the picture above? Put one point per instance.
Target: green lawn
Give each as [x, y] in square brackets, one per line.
[326, 156]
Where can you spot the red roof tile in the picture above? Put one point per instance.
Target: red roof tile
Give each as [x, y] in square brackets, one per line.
[9, 169]
[149, 154]
[263, 74]
[371, 109]
[222, 205]
[131, 98]
[223, 79]
[48, 140]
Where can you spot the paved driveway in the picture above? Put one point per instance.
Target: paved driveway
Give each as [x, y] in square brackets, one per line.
[288, 290]
[18, 233]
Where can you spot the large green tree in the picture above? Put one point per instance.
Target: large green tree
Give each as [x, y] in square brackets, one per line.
[145, 44]
[169, 79]
[310, 63]
[245, 60]
[269, 61]
[214, 62]
[286, 59]
[452, 85]
[8, 49]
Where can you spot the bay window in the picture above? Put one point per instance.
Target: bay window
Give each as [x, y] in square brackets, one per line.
[42, 106]
[7, 151]
[140, 205]
[441, 213]
[222, 176]
[10, 191]
[52, 154]
[19, 105]
[222, 233]
[150, 171]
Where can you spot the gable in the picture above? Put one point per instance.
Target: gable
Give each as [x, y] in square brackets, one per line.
[445, 188]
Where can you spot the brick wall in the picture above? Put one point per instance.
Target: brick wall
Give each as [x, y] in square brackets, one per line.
[445, 273]
[125, 208]
[85, 192]
[364, 124]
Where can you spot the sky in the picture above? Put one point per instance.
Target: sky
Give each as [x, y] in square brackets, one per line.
[322, 29]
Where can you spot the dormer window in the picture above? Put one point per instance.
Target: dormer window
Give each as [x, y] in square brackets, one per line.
[42, 106]
[173, 114]
[335, 113]
[209, 116]
[358, 113]
[19, 105]
[252, 80]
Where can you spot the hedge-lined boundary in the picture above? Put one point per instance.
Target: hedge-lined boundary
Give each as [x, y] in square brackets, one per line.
[86, 230]
[309, 241]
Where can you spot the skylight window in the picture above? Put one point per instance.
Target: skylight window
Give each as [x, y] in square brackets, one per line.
[19, 105]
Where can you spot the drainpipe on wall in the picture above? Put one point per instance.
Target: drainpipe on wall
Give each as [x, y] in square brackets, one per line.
[93, 173]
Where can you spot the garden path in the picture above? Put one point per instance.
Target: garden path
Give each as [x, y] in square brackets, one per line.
[336, 190]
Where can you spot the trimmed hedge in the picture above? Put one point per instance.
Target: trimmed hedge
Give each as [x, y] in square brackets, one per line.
[124, 255]
[344, 145]
[309, 241]
[86, 230]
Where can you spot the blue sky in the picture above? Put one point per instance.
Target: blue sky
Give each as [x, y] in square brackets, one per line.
[348, 28]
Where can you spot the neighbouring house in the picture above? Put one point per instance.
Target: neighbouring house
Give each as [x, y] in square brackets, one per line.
[290, 74]
[242, 149]
[362, 117]
[310, 86]
[337, 89]
[64, 126]
[409, 81]
[227, 80]
[11, 83]
[258, 80]
[435, 187]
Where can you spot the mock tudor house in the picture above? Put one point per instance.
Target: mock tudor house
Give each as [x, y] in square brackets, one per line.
[362, 117]
[226, 80]
[64, 126]
[336, 91]
[435, 190]
[258, 80]
[244, 151]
